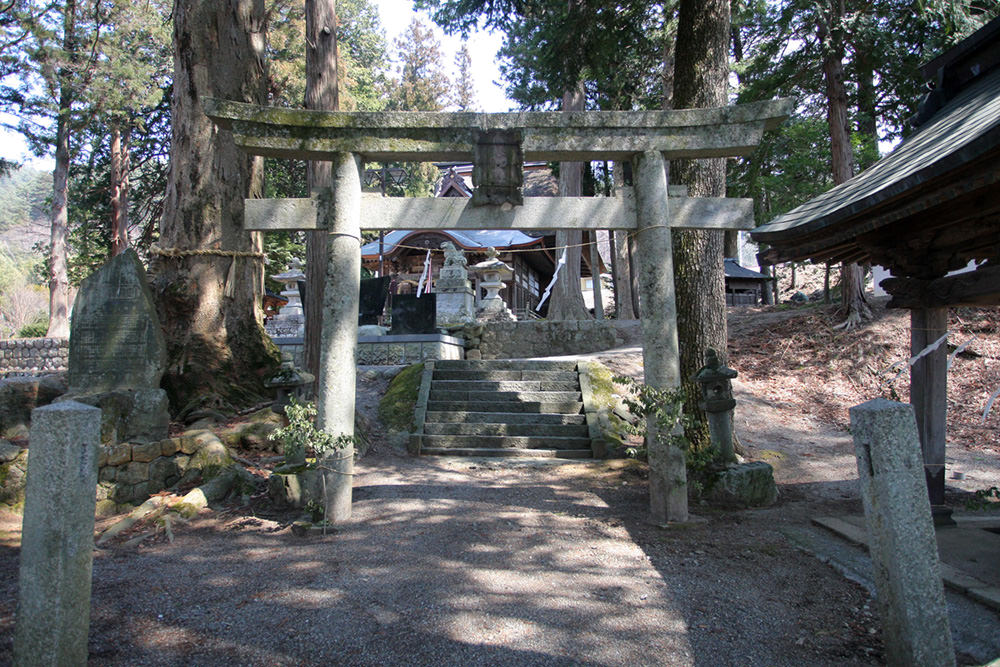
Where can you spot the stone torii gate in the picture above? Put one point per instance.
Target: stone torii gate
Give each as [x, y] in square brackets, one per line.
[497, 143]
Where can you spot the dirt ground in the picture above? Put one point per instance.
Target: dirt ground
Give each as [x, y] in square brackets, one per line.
[472, 561]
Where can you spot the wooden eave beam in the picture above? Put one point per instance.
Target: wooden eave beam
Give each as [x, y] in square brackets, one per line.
[980, 287]
[944, 203]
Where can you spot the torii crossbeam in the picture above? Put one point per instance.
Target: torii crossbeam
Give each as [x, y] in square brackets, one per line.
[647, 138]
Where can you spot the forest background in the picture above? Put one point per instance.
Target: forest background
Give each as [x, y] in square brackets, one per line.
[90, 83]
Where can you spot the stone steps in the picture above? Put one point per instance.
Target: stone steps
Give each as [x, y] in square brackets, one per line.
[565, 407]
[504, 408]
[571, 385]
[504, 442]
[537, 418]
[506, 365]
[499, 376]
[505, 396]
[499, 428]
[534, 453]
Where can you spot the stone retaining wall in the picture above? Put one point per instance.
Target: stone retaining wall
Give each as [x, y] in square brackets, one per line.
[542, 338]
[33, 356]
[130, 472]
[407, 349]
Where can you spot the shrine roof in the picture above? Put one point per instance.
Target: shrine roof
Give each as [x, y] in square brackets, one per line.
[929, 206]
[465, 239]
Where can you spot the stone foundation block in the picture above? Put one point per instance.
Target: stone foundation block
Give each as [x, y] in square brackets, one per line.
[745, 485]
[146, 452]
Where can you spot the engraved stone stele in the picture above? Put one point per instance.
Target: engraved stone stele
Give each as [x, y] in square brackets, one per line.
[117, 353]
[455, 300]
[53, 616]
[115, 337]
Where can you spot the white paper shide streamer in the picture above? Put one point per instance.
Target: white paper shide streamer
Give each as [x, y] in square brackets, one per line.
[424, 274]
[548, 289]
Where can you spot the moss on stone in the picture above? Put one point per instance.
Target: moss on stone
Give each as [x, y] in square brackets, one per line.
[185, 510]
[604, 394]
[397, 406]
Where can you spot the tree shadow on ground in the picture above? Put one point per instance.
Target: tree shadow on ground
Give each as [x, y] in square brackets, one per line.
[473, 563]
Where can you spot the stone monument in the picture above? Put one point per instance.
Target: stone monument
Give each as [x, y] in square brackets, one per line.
[493, 273]
[455, 303]
[291, 321]
[117, 353]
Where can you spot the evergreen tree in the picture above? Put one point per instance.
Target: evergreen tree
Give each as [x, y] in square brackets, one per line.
[74, 61]
[421, 84]
[465, 88]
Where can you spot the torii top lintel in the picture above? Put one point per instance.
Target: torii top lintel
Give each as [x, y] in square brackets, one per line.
[546, 135]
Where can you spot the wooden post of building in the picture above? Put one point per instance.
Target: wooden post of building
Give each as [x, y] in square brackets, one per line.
[339, 340]
[929, 397]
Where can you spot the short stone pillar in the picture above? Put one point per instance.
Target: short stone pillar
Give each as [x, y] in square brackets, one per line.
[57, 544]
[717, 401]
[493, 273]
[901, 535]
[455, 303]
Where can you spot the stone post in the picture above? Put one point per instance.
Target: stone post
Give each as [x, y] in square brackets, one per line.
[57, 544]
[660, 354]
[901, 535]
[339, 339]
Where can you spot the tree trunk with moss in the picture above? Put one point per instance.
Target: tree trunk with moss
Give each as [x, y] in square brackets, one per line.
[208, 276]
[701, 74]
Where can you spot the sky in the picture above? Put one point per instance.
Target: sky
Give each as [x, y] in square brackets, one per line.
[483, 46]
[396, 16]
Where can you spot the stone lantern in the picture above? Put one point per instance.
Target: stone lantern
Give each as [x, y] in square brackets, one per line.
[291, 321]
[492, 274]
[718, 402]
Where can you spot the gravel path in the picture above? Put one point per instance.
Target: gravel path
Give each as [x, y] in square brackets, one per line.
[487, 562]
[467, 562]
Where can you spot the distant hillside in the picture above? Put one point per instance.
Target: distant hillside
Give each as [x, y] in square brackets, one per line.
[24, 208]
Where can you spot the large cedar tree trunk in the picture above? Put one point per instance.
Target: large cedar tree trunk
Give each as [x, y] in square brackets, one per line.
[830, 30]
[59, 223]
[119, 188]
[209, 304]
[322, 94]
[567, 299]
[701, 75]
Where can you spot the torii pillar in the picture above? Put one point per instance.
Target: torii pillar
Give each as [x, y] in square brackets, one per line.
[648, 138]
[339, 340]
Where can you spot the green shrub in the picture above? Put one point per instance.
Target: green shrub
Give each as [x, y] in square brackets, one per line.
[37, 328]
[301, 437]
[666, 407]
